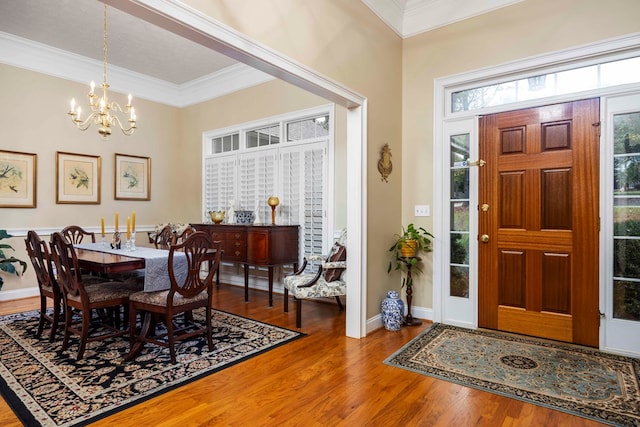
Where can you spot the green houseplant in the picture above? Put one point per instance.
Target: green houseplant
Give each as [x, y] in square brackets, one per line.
[7, 263]
[406, 249]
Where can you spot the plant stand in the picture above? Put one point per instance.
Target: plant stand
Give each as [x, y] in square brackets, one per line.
[409, 320]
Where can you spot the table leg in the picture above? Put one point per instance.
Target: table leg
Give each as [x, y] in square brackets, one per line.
[270, 286]
[246, 282]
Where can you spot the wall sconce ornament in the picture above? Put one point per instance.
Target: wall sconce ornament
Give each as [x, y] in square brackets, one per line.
[384, 164]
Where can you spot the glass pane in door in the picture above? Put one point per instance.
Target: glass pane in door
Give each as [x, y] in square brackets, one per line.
[459, 216]
[626, 216]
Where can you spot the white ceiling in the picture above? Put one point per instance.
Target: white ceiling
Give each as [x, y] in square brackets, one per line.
[64, 38]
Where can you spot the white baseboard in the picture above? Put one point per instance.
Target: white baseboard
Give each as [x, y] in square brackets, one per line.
[375, 322]
[19, 294]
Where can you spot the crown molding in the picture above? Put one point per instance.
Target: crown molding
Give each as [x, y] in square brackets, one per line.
[30, 55]
[411, 17]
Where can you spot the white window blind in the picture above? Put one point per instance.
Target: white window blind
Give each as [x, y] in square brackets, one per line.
[258, 171]
[303, 185]
[287, 158]
[219, 182]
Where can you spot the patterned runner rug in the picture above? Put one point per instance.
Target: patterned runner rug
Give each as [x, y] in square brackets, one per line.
[574, 379]
[47, 387]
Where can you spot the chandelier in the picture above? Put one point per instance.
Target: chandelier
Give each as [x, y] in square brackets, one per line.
[102, 112]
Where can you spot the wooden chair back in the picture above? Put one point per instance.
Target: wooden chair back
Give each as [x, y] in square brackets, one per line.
[198, 248]
[41, 260]
[188, 231]
[66, 262]
[165, 238]
[76, 234]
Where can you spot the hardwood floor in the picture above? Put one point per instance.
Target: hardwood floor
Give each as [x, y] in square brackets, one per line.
[323, 379]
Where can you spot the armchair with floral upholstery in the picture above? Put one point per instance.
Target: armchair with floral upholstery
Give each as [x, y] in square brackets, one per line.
[327, 281]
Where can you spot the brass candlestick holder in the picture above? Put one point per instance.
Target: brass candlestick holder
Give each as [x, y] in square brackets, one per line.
[273, 201]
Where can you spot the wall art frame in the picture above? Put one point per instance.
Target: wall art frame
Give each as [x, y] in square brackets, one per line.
[132, 177]
[18, 179]
[78, 178]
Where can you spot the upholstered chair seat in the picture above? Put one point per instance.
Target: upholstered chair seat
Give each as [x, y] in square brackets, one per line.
[326, 282]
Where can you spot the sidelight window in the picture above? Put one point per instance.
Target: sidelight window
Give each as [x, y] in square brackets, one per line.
[626, 216]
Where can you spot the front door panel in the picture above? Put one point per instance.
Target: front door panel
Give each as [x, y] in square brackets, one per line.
[538, 250]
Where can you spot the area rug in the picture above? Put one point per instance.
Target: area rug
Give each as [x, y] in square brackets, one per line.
[47, 387]
[574, 379]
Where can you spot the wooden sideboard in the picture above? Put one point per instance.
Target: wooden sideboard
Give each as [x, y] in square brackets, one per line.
[259, 245]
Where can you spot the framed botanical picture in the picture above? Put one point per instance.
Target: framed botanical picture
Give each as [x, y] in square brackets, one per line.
[17, 179]
[77, 178]
[132, 177]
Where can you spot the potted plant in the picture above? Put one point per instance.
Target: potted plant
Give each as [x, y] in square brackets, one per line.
[6, 263]
[404, 253]
[404, 256]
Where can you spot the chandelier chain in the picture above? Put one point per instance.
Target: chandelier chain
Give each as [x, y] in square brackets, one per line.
[104, 47]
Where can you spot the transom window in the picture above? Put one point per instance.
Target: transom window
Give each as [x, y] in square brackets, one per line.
[546, 85]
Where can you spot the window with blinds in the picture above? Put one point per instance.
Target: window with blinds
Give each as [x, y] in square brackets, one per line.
[287, 158]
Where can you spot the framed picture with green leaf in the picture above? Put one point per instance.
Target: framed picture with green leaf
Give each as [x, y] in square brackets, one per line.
[132, 177]
[17, 179]
[78, 178]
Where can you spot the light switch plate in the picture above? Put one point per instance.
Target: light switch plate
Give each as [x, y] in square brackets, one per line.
[422, 210]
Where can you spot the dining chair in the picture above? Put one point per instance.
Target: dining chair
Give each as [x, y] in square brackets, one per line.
[82, 299]
[186, 232]
[327, 281]
[194, 291]
[165, 238]
[38, 252]
[76, 234]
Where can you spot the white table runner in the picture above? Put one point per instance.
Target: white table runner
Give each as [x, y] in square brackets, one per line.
[156, 271]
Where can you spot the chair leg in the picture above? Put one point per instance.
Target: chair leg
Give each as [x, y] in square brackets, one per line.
[298, 313]
[43, 312]
[84, 334]
[67, 326]
[339, 303]
[55, 321]
[171, 338]
[209, 331]
[132, 325]
[286, 300]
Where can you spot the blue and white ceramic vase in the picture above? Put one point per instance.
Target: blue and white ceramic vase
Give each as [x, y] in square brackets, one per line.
[392, 311]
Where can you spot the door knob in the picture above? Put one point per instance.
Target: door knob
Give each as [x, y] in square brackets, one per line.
[478, 163]
[484, 238]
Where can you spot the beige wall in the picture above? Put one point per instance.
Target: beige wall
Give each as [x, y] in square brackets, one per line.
[34, 120]
[529, 28]
[345, 41]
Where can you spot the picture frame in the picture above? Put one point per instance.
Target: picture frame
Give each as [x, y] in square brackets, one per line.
[78, 178]
[18, 184]
[132, 177]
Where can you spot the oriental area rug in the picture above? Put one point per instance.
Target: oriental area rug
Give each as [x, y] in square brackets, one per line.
[45, 386]
[569, 378]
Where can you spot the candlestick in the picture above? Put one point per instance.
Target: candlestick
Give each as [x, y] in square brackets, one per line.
[133, 221]
[116, 222]
[102, 226]
[128, 228]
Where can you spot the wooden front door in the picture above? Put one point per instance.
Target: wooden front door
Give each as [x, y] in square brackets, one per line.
[538, 222]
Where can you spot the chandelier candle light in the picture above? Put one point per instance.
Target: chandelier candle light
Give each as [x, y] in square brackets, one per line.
[103, 112]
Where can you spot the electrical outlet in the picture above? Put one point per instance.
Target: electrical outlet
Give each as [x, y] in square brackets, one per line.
[422, 210]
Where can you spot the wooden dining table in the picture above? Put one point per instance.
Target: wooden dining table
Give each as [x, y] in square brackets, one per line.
[107, 263]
